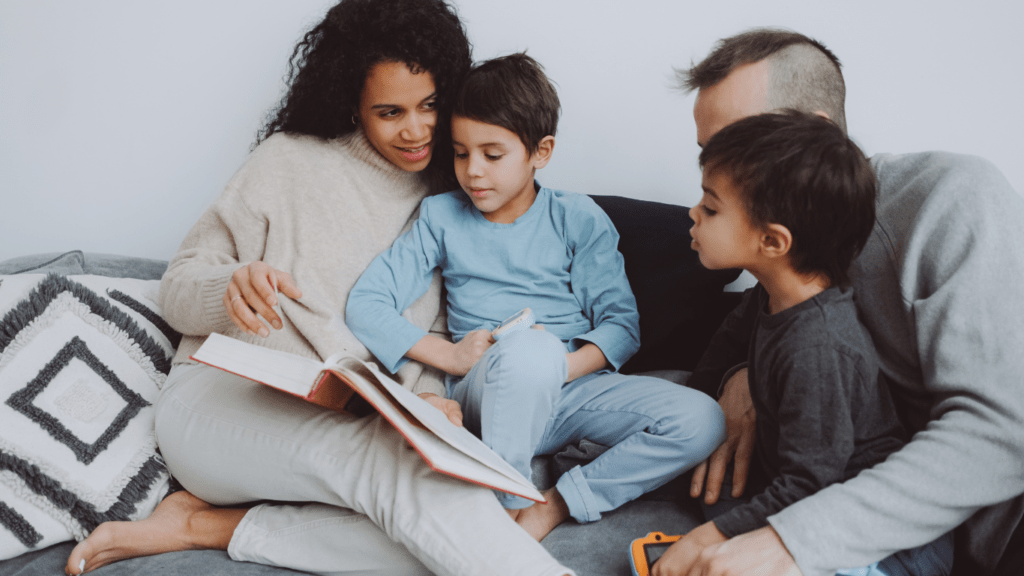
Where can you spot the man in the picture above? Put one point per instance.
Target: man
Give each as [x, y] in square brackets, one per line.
[939, 288]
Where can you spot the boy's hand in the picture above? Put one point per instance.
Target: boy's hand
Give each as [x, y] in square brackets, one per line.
[587, 359]
[682, 556]
[465, 354]
[450, 408]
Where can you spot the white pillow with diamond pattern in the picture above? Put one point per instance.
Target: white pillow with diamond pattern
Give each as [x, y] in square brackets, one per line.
[82, 359]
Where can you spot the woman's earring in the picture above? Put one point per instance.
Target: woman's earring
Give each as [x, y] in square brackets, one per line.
[355, 120]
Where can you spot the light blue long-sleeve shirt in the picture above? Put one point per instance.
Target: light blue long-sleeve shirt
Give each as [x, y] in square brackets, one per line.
[560, 259]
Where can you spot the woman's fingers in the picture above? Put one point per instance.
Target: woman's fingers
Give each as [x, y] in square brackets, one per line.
[287, 286]
[252, 295]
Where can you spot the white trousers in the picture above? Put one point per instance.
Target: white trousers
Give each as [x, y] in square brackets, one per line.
[360, 500]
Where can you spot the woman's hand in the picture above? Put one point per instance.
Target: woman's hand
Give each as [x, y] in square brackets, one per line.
[450, 408]
[740, 421]
[251, 292]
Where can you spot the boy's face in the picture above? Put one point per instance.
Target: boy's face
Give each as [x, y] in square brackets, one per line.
[494, 169]
[723, 234]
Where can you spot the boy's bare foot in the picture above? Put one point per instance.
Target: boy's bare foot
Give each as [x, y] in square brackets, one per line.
[540, 519]
[180, 522]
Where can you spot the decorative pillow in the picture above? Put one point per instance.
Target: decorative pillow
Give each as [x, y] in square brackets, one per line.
[82, 359]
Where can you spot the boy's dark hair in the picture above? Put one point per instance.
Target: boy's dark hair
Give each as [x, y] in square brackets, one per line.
[512, 92]
[803, 73]
[799, 170]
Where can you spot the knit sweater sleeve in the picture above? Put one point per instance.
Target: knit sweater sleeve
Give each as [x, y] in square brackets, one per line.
[955, 257]
[193, 288]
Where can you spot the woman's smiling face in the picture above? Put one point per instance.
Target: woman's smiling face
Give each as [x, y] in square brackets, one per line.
[398, 112]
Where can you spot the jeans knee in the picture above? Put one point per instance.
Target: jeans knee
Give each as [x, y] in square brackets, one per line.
[529, 360]
[695, 420]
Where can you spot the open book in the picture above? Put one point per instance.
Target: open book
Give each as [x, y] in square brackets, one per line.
[344, 383]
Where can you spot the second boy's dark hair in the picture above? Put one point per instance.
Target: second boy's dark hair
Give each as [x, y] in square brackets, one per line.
[801, 171]
[512, 92]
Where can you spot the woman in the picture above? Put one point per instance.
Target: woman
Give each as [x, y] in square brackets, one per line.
[336, 177]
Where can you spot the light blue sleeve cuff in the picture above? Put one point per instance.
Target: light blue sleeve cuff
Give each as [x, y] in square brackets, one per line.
[616, 343]
[392, 351]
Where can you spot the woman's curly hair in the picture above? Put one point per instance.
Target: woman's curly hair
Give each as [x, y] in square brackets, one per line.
[328, 68]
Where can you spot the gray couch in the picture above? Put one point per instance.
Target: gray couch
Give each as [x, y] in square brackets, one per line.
[681, 304]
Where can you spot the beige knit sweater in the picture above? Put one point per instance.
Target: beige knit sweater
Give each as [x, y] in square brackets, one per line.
[319, 210]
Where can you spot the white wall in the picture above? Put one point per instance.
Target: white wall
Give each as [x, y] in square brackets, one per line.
[120, 121]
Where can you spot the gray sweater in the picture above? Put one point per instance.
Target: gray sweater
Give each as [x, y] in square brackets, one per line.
[940, 287]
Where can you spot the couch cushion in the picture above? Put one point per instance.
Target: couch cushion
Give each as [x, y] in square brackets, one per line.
[78, 262]
[67, 263]
[82, 359]
[681, 302]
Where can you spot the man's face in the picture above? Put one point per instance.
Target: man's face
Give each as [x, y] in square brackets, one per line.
[742, 93]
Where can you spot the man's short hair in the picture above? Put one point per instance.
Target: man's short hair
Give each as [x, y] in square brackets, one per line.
[803, 74]
[801, 171]
[512, 92]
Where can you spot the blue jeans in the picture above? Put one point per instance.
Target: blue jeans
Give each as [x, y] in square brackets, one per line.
[516, 400]
[932, 559]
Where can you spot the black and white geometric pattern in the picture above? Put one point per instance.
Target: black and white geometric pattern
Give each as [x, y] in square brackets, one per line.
[82, 359]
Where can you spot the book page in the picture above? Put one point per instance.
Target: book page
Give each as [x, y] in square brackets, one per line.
[438, 423]
[441, 456]
[284, 370]
[426, 428]
[455, 446]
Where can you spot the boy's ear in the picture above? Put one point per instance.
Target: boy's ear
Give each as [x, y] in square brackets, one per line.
[776, 240]
[545, 148]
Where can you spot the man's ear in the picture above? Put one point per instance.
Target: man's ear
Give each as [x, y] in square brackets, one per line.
[823, 114]
[776, 240]
[545, 148]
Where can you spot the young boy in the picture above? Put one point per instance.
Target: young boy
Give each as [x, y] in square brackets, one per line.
[791, 199]
[503, 243]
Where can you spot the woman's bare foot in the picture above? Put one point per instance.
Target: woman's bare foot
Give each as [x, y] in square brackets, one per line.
[180, 522]
[540, 519]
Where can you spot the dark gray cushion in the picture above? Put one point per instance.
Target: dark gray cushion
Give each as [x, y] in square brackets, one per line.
[50, 562]
[681, 302]
[68, 264]
[78, 262]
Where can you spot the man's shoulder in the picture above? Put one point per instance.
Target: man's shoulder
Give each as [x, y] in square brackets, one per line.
[952, 196]
[925, 176]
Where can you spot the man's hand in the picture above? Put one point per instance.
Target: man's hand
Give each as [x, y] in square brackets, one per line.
[450, 408]
[680, 558]
[740, 421]
[757, 552]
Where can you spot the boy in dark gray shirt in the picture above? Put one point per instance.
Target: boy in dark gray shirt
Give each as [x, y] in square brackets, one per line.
[789, 198]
